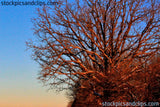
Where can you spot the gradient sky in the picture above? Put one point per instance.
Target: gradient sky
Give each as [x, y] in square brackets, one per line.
[18, 72]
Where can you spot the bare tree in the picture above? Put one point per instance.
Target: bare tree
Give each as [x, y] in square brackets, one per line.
[99, 45]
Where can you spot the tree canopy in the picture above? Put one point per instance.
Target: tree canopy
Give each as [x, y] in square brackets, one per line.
[97, 45]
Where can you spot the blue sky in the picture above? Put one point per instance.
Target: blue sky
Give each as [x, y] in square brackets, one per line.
[15, 29]
[18, 72]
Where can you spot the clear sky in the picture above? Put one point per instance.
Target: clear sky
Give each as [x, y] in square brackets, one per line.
[18, 72]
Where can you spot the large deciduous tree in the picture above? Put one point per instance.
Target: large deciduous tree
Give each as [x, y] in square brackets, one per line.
[98, 46]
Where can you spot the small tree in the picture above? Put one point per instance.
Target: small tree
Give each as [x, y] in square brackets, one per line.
[105, 43]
